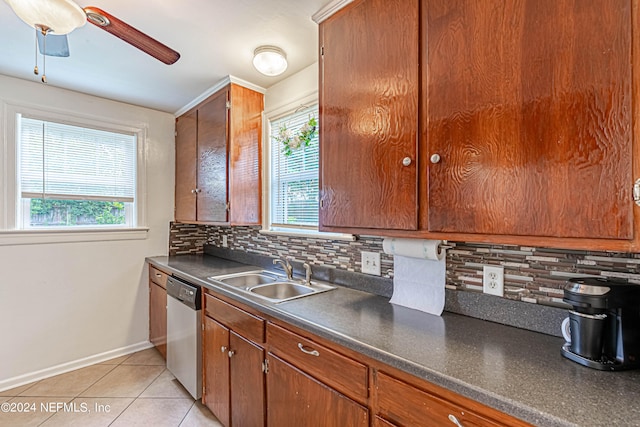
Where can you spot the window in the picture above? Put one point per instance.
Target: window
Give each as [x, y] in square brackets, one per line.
[294, 184]
[74, 176]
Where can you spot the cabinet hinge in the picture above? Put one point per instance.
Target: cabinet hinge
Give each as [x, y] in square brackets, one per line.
[321, 50]
[202, 326]
[175, 133]
[228, 206]
[228, 105]
[265, 366]
[321, 203]
[636, 191]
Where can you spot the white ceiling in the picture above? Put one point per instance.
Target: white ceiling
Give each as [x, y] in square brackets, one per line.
[215, 38]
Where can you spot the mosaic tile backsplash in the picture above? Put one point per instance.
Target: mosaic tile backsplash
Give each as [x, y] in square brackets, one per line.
[534, 275]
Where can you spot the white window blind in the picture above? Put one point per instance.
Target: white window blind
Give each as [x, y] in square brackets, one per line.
[61, 161]
[294, 177]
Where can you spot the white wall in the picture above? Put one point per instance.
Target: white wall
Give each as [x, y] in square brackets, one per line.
[64, 305]
[299, 86]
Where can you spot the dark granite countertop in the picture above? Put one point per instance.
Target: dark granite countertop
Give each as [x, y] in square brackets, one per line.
[513, 370]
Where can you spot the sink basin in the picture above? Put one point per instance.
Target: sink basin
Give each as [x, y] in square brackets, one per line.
[282, 290]
[269, 285]
[247, 280]
[285, 291]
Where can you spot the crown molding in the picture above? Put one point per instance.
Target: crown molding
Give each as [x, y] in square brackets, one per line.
[216, 87]
[329, 9]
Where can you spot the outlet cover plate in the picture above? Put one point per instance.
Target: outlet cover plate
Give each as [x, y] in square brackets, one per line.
[493, 280]
[371, 263]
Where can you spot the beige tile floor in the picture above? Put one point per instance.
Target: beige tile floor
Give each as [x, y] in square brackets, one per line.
[133, 390]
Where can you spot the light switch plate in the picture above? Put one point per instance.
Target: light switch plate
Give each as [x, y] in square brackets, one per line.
[371, 263]
[493, 280]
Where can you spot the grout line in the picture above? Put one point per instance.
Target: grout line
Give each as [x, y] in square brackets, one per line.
[188, 412]
[94, 383]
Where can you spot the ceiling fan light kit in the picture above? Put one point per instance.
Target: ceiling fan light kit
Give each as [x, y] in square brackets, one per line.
[59, 16]
[270, 60]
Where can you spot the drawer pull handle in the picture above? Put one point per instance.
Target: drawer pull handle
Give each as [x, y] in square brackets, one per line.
[305, 351]
[454, 420]
[223, 349]
[159, 276]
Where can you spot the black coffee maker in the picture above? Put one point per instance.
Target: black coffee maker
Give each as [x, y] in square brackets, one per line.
[604, 322]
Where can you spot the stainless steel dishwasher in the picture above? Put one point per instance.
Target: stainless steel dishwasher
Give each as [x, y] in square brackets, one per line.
[184, 346]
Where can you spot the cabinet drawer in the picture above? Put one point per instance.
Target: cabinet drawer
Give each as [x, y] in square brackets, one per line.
[234, 318]
[405, 405]
[337, 371]
[158, 277]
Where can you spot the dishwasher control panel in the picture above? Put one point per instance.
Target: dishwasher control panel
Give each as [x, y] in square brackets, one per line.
[184, 292]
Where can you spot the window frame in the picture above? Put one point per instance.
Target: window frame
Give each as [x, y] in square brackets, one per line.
[10, 200]
[267, 227]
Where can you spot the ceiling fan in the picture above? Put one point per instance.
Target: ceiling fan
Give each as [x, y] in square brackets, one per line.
[60, 17]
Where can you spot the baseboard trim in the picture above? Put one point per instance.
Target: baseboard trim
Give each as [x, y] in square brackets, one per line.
[30, 377]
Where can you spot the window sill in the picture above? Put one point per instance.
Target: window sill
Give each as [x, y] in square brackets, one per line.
[310, 234]
[37, 237]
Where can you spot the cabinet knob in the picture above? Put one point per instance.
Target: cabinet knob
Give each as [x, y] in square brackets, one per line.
[193, 191]
[454, 420]
[231, 353]
[223, 349]
[435, 158]
[198, 190]
[406, 161]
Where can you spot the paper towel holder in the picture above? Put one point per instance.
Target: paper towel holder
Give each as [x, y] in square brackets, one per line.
[444, 246]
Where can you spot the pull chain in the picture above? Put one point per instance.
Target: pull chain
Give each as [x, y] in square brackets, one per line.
[35, 69]
[44, 56]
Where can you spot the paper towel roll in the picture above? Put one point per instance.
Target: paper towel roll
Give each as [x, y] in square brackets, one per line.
[419, 273]
[414, 248]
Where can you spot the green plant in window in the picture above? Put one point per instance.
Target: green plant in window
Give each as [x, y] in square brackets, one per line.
[292, 141]
[75, 212]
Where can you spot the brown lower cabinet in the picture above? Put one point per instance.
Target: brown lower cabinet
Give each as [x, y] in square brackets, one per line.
[232, 365]
[401, 404]
[260, 371]
[158, 309]
[297, 399]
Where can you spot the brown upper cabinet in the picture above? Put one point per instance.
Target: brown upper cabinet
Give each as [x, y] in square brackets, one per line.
[524, 121]
[369, 116]
[218, 159]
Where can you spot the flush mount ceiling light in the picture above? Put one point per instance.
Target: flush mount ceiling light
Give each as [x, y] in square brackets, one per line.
[270, 60]
[58, 16]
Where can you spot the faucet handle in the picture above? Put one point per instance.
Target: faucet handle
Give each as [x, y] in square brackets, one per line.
[286, 266]
[307, 269]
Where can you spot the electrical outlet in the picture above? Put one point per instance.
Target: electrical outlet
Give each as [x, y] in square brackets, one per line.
[225, 243]
[493, 280]
[371, 263]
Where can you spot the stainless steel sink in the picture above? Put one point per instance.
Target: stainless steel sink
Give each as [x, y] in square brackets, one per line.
[286, 291]
[248, 279]
[271, 286]
[281, 290]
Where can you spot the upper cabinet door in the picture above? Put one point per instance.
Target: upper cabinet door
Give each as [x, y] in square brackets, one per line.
[530, 110]
[245, 156]
[212, 159]
[369, 116]
[186, 148]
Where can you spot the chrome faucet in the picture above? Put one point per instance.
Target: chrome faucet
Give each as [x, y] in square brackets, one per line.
[286, 267]
[307, 275]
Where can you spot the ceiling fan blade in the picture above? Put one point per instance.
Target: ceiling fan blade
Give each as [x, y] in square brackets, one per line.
[131, 35]
[56, 44]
